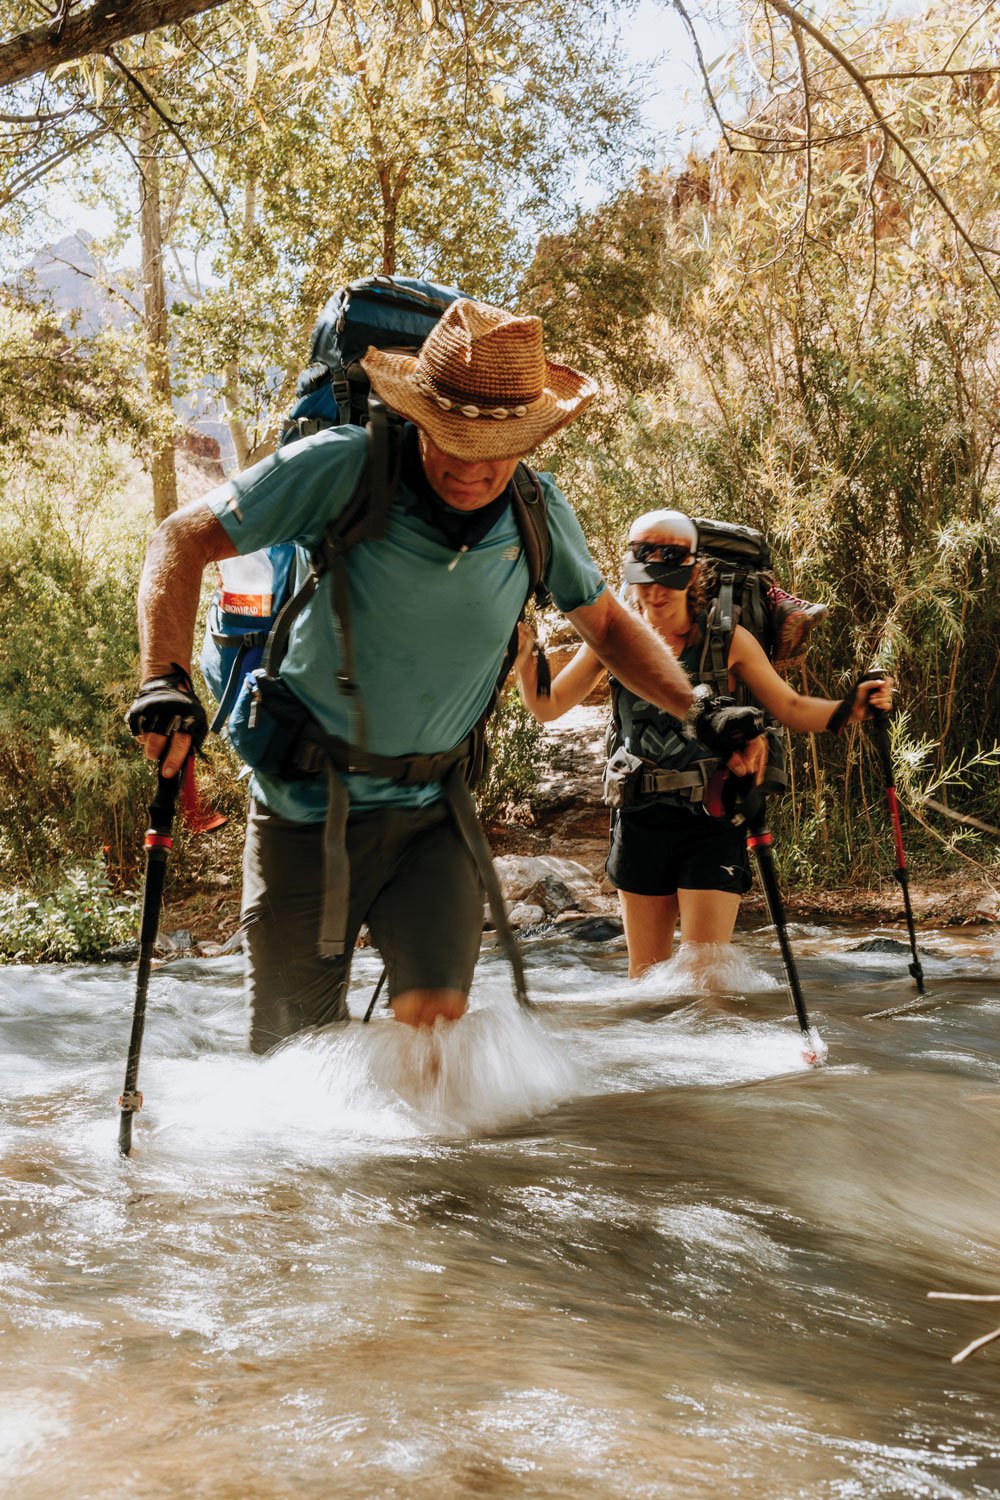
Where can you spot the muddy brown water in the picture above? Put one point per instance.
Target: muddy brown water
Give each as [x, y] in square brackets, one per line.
[629, 1246]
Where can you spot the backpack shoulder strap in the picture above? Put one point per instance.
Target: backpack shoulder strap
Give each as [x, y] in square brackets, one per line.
[713, 664]
[532, 522]
[365, 514]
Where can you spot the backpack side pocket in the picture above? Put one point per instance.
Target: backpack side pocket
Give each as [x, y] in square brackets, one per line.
[621, 778]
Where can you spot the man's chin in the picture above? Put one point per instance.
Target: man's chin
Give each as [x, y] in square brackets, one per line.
[462, 499]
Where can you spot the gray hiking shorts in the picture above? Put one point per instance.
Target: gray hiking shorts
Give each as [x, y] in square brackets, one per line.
[413, 881]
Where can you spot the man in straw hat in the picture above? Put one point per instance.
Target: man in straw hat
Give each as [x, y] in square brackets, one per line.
[433, 605]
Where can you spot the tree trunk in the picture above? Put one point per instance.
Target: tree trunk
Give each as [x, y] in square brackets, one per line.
[154, 298]
[389, 240]
[237, 427]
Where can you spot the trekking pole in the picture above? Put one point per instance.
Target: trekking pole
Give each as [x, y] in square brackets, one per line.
[158, 843]
[754, 812]
[374, 999]
[880, 734]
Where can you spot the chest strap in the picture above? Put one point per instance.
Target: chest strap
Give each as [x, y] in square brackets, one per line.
[318, 751]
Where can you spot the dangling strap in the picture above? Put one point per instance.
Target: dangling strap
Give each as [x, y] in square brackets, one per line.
[248, 641]
[463, 807]
[336, 868]
[287, 615]
[347, 683]
[543, 674]
[714, 664]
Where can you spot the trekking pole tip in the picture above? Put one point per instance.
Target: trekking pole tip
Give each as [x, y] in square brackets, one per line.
[815, 1052]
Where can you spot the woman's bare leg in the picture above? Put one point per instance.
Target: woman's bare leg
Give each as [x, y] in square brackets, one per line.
[707, 916]
[649, 930]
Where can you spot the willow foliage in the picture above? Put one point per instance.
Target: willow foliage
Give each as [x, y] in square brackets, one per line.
[813, 353]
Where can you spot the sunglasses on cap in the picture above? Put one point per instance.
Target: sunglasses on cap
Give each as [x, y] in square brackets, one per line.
[659, 552]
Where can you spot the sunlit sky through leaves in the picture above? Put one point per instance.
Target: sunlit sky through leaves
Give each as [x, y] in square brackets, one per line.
[653, 40]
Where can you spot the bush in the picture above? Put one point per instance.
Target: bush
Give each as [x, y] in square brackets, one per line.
[71, 781]
[517, 755]
[79, 919]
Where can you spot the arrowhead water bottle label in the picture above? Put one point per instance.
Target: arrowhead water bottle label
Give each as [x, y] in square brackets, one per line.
[247, 585]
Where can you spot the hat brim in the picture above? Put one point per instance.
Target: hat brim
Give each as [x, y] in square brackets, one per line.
[637, 572]
[566, 395]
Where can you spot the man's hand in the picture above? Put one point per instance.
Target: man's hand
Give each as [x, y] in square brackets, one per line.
[166, 716]
[726, 727]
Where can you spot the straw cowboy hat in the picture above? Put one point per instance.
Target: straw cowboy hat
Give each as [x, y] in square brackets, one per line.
[481, 387]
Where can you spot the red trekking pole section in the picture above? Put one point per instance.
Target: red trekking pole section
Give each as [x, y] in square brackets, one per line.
[880, 732]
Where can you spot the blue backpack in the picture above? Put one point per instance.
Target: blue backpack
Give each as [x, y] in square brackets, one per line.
[389, 312]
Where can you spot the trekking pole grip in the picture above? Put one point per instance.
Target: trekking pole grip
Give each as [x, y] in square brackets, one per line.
[164, 803]
[880, 733]
[158, 843]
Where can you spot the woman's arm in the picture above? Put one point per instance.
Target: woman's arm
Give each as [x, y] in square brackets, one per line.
[577, 678]
[748, 662]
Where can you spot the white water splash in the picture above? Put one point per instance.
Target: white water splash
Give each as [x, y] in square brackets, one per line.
[494, 1066]
[705, 969]
[360, 1085]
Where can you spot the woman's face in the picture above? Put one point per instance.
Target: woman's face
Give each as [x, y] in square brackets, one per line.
[669, 548]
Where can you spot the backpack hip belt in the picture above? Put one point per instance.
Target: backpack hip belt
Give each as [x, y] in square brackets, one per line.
[692, 782]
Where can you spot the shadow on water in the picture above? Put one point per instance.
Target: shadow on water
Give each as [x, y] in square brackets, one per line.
[628, 1245]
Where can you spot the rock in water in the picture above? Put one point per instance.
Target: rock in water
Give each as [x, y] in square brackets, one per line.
[522, 914]
[552, 894]
[593, 929]
[521, 874]
[890, 945]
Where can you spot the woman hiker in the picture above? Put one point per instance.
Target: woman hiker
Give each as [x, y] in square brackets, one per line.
[668, 858]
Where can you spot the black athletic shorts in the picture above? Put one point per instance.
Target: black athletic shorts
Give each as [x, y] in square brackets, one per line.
[659, 849]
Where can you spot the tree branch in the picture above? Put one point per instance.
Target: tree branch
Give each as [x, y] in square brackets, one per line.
[93, 30]
[931, 73]
[796, 18]
[800, 48]
[148, 97]
[679, 8]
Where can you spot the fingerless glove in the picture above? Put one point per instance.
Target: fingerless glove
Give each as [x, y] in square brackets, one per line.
[167, 705]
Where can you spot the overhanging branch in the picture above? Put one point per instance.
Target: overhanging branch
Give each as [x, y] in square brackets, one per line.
[95, 30]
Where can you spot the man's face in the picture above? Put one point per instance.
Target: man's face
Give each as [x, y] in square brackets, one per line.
[465, 484]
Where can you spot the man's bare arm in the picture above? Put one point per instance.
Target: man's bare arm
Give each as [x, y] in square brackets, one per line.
[179, 550]
[634, 653]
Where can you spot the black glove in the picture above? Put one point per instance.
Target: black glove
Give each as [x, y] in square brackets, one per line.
[722, 724]
[845, 707]
[167, 705]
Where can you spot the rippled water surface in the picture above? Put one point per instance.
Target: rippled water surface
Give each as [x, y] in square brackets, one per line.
[628, 1247]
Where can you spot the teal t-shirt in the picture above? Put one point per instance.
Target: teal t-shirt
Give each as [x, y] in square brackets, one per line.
[428, 639]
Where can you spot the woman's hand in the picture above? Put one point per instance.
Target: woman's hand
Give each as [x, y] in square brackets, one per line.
[525, 645]
[876, 694]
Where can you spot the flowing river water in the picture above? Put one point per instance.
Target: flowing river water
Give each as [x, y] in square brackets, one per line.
[627, 1246]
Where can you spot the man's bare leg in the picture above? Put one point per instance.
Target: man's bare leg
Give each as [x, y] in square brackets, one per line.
[423, 1007]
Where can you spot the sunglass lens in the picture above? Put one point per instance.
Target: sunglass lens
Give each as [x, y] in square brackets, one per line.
[644, 552]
